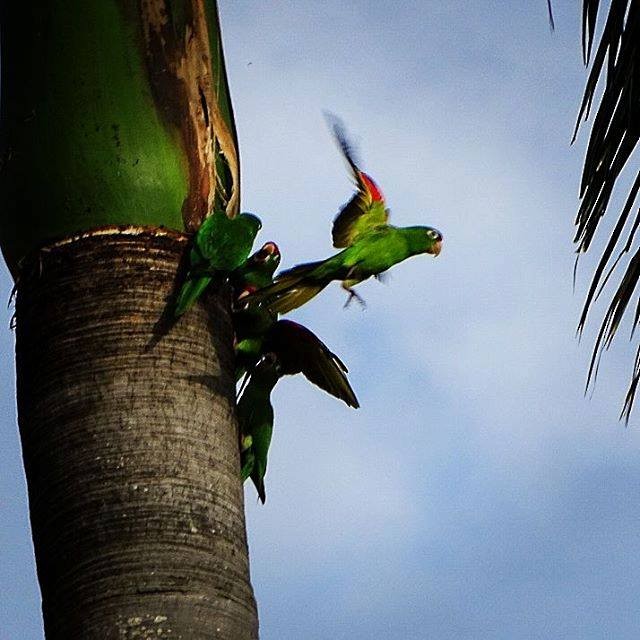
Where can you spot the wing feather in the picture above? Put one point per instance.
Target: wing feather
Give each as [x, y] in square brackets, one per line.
[366, 210]
[299, 350]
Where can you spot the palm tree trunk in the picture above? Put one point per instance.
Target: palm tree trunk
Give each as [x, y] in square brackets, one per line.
[130, 445]
[117, 135]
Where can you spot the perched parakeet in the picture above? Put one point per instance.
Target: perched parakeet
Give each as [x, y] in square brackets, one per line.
[251, 323]
[258, 331]
[256, 271]
[255, 418]
[220, 245]
[371, 246]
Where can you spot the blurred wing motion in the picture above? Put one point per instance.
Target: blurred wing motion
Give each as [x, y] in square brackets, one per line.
[367, 209]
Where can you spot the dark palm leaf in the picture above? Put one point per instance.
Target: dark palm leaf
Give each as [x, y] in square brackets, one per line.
[614, 137]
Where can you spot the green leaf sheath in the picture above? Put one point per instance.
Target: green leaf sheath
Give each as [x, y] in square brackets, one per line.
[103, 126]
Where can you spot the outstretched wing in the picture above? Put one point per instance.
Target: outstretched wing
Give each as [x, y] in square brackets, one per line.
[300, 351]
[367, 209]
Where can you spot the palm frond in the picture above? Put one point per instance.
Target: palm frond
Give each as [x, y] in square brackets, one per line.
[613, 139]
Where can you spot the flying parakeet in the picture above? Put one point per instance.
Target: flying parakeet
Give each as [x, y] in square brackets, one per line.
[255, 418]
[220, 245]
[371, 245]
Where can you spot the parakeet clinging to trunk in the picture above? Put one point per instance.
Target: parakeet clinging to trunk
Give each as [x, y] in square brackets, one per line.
[255, 418]
[220, 245]
[258, 331]
[251, 323]
[256, 271]
[299, 350]
[289, 348]
[370, 245]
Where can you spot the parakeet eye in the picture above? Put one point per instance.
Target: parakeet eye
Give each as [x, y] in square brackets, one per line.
[434, 234]
[271, 360]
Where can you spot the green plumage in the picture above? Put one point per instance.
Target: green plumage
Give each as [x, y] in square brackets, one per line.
[258, 331]
[371, 254]
[371, 244]
[250, 324]
[255, 417]
[220, 245]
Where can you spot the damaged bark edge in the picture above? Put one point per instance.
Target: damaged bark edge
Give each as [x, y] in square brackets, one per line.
[181, 76]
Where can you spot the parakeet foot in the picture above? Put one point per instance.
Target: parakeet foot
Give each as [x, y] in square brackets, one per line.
[352, 295]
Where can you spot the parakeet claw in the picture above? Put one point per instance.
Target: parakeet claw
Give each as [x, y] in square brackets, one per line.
[352, 295]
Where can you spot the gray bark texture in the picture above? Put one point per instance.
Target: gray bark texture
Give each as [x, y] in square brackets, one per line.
[130, 445]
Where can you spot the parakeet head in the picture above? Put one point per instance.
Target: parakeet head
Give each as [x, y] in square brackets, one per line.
[268, 254]
[268, 366]
[434, 241]
[246, 291]
[251, 221]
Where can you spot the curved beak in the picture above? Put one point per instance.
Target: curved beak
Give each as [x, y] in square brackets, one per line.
[435, 248]
[271, 248]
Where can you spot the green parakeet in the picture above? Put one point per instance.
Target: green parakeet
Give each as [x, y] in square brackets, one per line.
[220, 245]
[256, 271]
[299, 350]
[255, 417]
[371, 246]
[251, 323]
[257, 331]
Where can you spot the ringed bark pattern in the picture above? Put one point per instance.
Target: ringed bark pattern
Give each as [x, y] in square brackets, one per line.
[130, 445]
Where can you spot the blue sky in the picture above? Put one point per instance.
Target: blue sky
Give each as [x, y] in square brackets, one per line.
[476, 493]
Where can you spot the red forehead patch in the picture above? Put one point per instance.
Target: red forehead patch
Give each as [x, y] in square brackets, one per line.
[372, 187]
[271, 248]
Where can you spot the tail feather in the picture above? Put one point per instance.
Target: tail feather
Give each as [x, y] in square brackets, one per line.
[290, 290]
[294, 275]
[258, 481]
[294, 298]
[191, 290]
